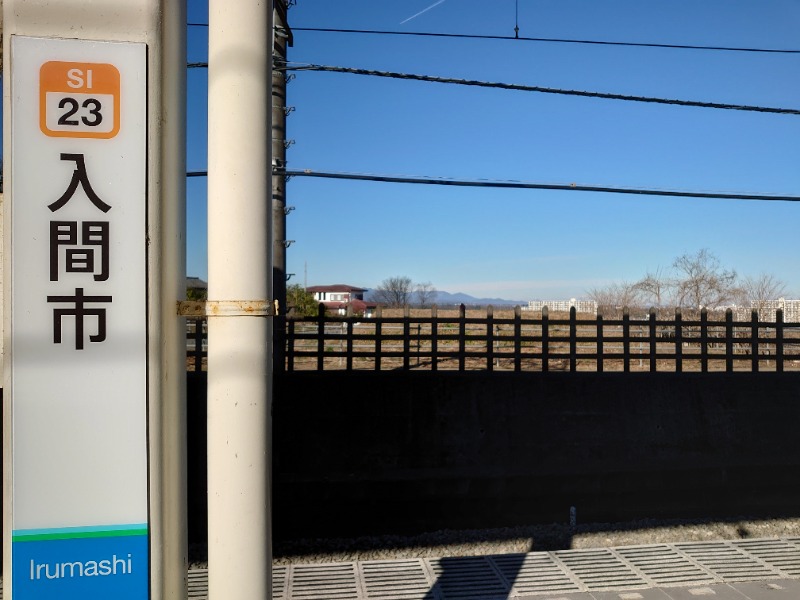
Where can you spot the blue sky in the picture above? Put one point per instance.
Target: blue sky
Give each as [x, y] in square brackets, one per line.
[529, 244]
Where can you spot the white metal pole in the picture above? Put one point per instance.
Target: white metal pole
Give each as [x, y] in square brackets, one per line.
[240, 269]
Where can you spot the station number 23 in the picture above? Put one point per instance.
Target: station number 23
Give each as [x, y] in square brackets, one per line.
[79, 100]
[89, 112]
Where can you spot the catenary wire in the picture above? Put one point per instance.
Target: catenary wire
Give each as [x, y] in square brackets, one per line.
[530, 88]
[547, 40]
[536, 39]
[527, 185]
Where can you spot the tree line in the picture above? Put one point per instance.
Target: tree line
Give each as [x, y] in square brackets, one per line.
[693, 281]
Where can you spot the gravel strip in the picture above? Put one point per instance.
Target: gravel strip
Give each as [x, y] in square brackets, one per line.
[519, 539]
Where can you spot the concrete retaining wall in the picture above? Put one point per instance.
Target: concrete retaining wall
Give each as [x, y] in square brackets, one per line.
[394, 452]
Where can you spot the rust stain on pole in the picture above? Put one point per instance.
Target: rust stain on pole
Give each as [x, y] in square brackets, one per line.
[228, 308]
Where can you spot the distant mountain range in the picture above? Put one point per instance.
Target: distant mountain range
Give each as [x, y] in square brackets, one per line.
[448, 299]
[443, 298]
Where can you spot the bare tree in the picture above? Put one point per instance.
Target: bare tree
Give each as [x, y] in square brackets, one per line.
[702, 282]
[616, 295]
[755, 292]
[426, 294]
[655, 288]
[394, 292]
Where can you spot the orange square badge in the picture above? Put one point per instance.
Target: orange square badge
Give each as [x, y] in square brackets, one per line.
[80, 100]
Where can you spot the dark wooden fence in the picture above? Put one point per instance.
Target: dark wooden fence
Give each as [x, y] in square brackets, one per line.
[520, 341]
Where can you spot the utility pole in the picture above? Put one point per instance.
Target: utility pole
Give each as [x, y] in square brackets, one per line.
[283, 38]
[240, 299]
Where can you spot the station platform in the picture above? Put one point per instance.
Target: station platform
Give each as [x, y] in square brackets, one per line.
[754, 569]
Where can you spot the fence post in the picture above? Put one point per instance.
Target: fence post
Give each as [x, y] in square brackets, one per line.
[517, 338]
[434, 338]
[462, 337]
[321, 337]
[378, 339]
[754, 341]
[490, 338]
[290, 345]
[349, 332]
[573, 340]
[626, 340]
[599, 342]
[406, 338]
[678, 340]
[779, 340]
[704, 340]
[653, 343]
[729, 340]
[545, 340]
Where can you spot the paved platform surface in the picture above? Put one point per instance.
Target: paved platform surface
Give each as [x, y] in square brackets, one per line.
[755, 569]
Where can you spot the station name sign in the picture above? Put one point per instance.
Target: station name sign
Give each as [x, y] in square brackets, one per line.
[78, 354]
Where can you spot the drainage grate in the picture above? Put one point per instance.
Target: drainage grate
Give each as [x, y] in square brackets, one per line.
[336, 581]
[779, 554]
[727, 561]
[600, 570]
[665, 566]
[534, 573]
[466, 577]
[395, 580]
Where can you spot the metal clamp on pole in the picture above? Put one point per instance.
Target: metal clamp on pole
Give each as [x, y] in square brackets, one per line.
[228, 308]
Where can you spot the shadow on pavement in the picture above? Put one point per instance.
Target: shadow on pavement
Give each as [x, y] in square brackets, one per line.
[459, 560]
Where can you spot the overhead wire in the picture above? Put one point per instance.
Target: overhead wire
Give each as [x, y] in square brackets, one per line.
[527, 185]
[548, 40]
[288, 66]
[525, 88]
[538, 39]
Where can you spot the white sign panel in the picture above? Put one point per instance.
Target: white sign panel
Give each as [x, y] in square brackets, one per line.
[79, 319]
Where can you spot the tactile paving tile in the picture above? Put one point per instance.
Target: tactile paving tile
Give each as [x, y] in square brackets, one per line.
[504, 577]
[600, 569]
[780, 554]
[466, 577]
[395, 580]
[334, 581]
[278, 583]
[198, 584]
[728, 562]
[665, 566]
[533, 573]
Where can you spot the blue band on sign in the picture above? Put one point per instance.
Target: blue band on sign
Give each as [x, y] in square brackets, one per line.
[80, 568]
